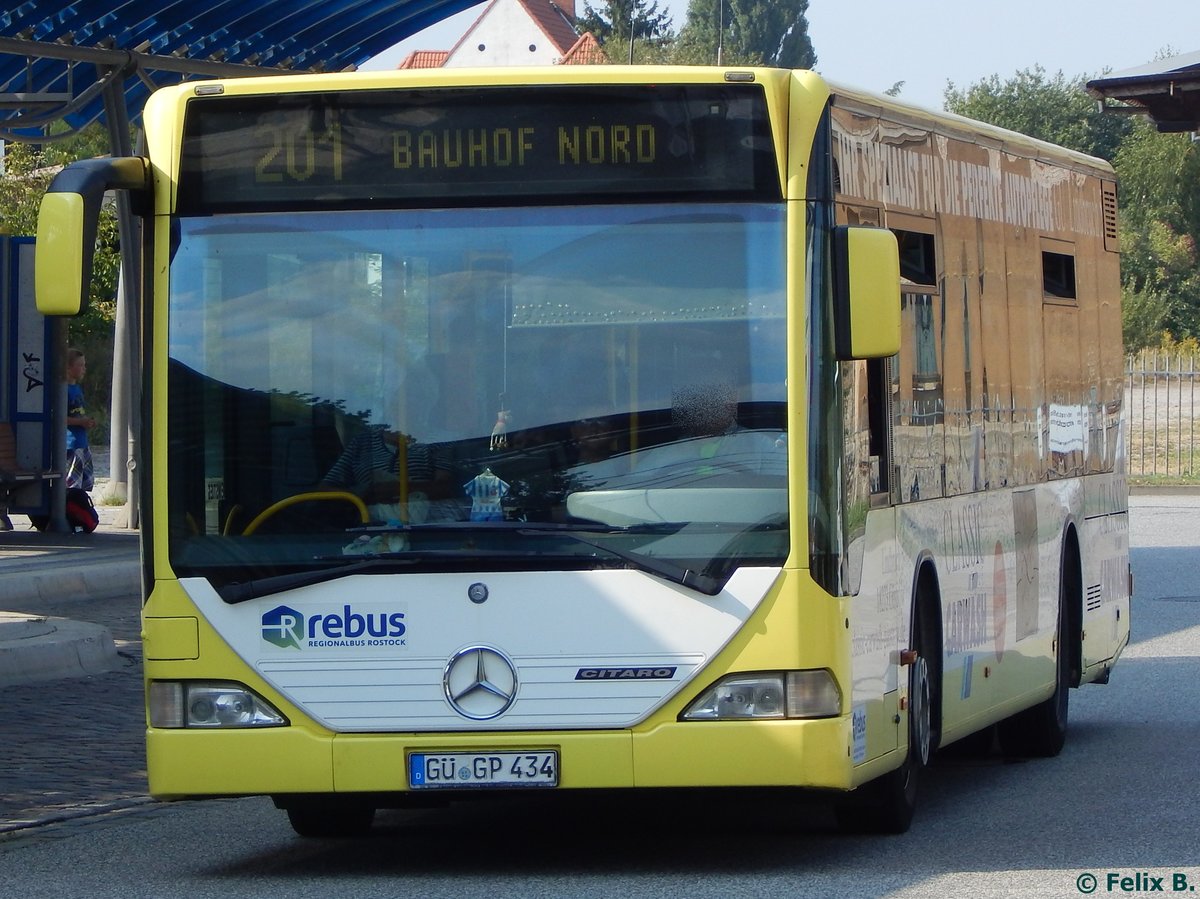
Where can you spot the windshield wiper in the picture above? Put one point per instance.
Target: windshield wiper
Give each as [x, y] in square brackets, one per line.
[576, 531]
[678, 574]
[725, 563]
[539, 527]
[384, 562]
[242, 591]
[709, 580]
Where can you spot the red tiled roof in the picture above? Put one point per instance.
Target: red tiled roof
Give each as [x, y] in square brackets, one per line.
[424, 59]
[554, 21]
[585, 52]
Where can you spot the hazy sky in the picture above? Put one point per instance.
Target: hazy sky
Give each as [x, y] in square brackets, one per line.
[872, 44]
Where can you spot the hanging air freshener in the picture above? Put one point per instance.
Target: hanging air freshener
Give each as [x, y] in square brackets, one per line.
[500, 429]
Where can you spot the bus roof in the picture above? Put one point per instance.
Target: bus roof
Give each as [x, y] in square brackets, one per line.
[961, 128]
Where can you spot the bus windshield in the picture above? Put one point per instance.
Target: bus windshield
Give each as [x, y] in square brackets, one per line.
[522, 387]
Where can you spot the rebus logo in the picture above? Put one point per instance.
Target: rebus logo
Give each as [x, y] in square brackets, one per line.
[284, 627]
[347, 628]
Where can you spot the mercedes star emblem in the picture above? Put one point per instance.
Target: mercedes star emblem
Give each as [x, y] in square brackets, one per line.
[480, 682]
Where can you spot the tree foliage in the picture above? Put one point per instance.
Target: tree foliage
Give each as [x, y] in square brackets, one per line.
[776, 30]
[1051, 108]
[1160, 227]
[754, 32]
[615, 22]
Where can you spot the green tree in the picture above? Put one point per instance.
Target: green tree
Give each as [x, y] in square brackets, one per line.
[748, 32]
[1055, 109]
[1159, 177]
[697, 43]
[776, 30]
[612, 24]
[1143, 319]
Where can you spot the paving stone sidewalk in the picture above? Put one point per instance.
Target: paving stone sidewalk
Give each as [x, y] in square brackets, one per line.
[75, 746]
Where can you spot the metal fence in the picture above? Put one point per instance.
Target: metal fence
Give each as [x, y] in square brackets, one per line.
[1160, 407]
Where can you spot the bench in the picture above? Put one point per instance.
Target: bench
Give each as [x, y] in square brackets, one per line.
[12, 476]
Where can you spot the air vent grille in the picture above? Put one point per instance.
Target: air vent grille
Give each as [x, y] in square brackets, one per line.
[1108, 197]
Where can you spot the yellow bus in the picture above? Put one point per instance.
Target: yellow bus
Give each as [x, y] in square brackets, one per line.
[594, 428]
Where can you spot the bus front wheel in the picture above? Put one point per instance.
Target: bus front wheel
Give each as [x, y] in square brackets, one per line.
[321, 819]
[887, 804]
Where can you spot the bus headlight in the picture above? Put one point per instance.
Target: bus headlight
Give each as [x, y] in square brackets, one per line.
[210, 704]
[791, 694]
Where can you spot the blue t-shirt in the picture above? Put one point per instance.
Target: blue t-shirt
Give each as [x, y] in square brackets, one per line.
[76, 436]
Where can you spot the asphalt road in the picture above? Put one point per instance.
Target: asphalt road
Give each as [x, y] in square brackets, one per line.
[1115, 811]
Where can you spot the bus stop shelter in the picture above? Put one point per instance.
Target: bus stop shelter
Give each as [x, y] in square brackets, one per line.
[1167, 90]
[67, 61]
[98, 60]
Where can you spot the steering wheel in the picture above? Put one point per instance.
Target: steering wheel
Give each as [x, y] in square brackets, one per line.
[340, 496]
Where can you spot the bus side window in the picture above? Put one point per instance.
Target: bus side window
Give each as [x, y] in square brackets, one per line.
[880, 412]
[918, 426]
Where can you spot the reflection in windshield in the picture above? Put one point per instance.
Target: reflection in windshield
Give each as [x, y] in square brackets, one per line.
[617, 367]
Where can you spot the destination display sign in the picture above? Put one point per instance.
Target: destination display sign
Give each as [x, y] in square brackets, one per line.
[460, 146]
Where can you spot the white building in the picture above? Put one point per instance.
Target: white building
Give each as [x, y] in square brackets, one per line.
[516, 33]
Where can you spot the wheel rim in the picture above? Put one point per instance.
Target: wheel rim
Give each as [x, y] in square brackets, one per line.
[920, 725]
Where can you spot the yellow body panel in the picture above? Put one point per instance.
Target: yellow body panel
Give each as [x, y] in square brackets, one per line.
[735, 754]
[751, 753]
[165, 639]
[189, 763]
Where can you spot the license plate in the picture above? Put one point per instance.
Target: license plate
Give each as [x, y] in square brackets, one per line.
[459, 770]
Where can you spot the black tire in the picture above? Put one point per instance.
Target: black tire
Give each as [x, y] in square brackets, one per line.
[330, 819]
[888, 803]
[1041, 731]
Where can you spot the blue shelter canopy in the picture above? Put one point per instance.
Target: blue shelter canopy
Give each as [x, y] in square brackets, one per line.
[1167, 90]
[57, 59]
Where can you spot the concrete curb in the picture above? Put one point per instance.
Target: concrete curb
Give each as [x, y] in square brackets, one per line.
[100, 580]
[1160, 489]
[35, 649]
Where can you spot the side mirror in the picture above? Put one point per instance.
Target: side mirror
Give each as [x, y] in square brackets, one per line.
[68, 219]
[867, 283]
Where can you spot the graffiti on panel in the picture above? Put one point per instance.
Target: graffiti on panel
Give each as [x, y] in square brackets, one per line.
[32, 372]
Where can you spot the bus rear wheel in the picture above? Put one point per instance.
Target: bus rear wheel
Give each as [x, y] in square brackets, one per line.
[1041, 731]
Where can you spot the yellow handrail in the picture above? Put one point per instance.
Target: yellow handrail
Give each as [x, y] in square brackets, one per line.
[319, 495]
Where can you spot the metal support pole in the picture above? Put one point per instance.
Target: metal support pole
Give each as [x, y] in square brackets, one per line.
[632, 21]
[721, 32]
[126, 421]
[118, 419]
[58, 427]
